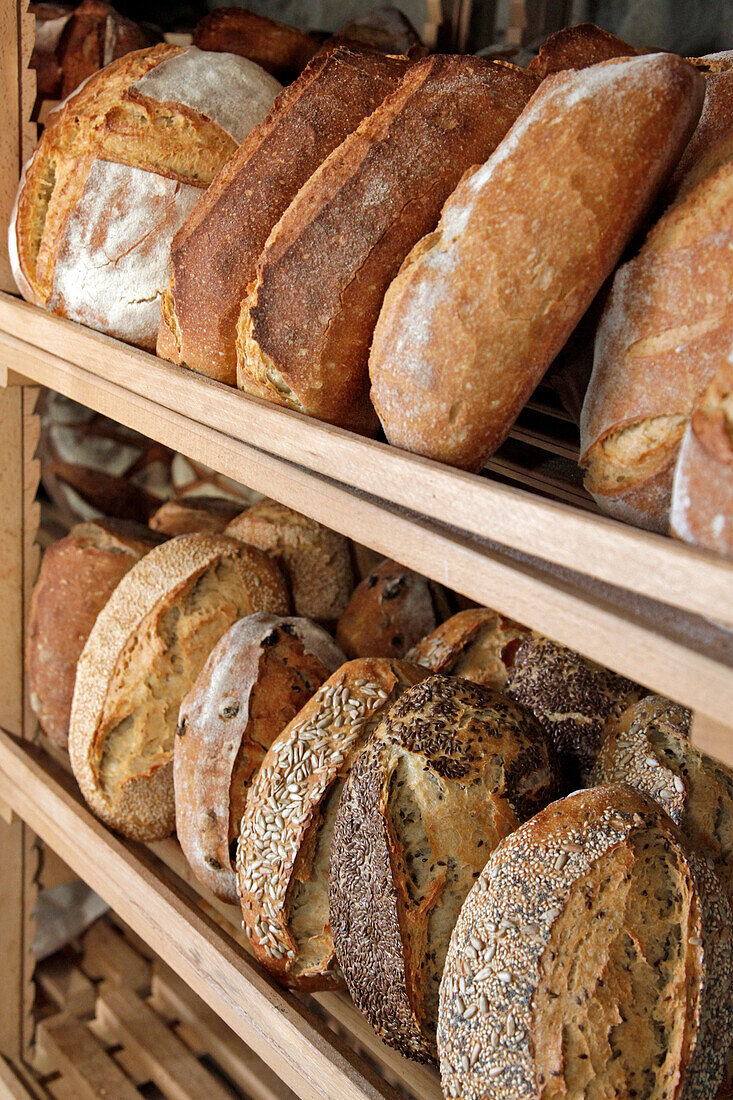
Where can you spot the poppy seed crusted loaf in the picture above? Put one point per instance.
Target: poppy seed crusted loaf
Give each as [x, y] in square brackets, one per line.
[591, 959]
[453, 768]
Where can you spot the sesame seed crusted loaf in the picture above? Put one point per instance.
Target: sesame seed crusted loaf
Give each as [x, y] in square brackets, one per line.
[256, 679]
[315, 560]
[477, 645]
[591, 959]
[452, 769]
[194, 515]
[147, 647]
[571, 696]
[389, 611]
[285, 839]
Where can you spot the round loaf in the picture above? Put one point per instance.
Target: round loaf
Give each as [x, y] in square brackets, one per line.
[591, 958]
[78, 575]
[391, 610]
[91, 38]
[279, 49]
[285, 839]
[147, 647]
[194, 515]
[315, 560]
[477, 645]
[256, 679]
[452, 769]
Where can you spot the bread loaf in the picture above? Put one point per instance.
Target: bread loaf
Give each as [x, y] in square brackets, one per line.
[386, 29]
[256, 679]
[119, 167]
[578, 47]
[391, 610]
[95, 35]
[665, 329]
[451, 770]
[147, 647]
[713, 136]
[483, 305]
[192, 516]
[279, 49]
[592, 958]
[477, 645]
[78, 575]
[50, 21]
[285, 839]
[214, 255]
[702, 491]
[305, 328]
[315, 560]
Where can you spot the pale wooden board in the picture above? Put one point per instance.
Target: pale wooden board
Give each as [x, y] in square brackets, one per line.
[108, 956]
[66, 985]
[11, 559]
[83, 1061]
[11, 1086]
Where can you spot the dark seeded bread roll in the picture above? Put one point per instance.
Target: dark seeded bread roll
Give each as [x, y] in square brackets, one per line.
[592, 958]
[477, 645]
[453, 768]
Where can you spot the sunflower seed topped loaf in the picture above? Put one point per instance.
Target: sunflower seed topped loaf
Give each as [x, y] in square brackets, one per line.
[256, 679]
[147, 647]
[389, 611]
[119, 167]
[477, 645]
[592, 958]
[305, 328]
[315, 560]
[482, 306]
[571, 696]
[193, 516]
[215, 253]
[452, 769]
[285, 838]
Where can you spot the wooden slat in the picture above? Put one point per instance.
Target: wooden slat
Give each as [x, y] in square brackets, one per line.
[83, 1061]
[11, 1086]
[66, 986]
[296, 1045]
[107, 956]
[11, 559]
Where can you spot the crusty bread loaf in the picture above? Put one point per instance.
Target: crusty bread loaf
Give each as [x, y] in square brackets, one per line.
[215, 253]
[314, 559]
[95, 35]
[279, 49]
[571, 696]
[285, 839]
[483, 305]
[477, 645]
[452, 769]
[256, 679]
[147, 647]
[78, 575]
[193, 515]
[51, 18]
[702, 491]
[386, 29]
[118, 168]
[578, 47]
[713, 136]
[391, 610]
[305, 328]
[591, 959]
[665, 329]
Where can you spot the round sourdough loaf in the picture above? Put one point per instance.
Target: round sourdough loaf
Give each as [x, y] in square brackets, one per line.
[477, 645]
[285, 839]
[147, 647]
[315, 560]
[452, 769]
[119, 167]
[78, 575]
[256, 679]
[391, 610]
[591, 958]
[200, 515]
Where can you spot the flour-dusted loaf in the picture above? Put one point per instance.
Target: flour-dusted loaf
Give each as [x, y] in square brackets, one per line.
[315, 560]
[591, 959]
[714, 132]
[477, 645]
[578, 47]
[389, 611]
[78, 575]
[571, 696]
[118, 169]
[452, 769]
[214, 255]
[285, 839]
[256, 679]
[702, 491]
[306, 326]
[147, 647]
[278, 48]
[194, 515]
[482, 306]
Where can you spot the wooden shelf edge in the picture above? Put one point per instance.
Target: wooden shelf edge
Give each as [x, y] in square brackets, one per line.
[298, 1047]
[609, 551]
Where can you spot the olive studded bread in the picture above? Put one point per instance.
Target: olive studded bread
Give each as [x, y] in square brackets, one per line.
[477, 645]
[256, 679]
[452, 769]
[285, 838]
[147, 647]
[591, 959]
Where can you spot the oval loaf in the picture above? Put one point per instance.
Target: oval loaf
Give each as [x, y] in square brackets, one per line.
[477, 645]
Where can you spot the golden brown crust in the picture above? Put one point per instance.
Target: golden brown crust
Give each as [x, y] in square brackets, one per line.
[192, 515]
[280, 49]
[477, 645]
[578, 47]
[94, 36]
[713, 137]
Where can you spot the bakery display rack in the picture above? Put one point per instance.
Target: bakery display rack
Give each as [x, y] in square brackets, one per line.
[522, 537]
